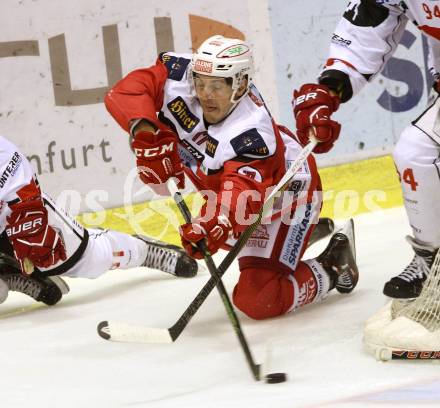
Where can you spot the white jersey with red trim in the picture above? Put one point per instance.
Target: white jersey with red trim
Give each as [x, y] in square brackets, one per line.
[246, 151]
[15, 173]
[246, 133]
[370, 30]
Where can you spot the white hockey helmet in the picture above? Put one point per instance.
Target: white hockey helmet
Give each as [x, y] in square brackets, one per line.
[219, 56]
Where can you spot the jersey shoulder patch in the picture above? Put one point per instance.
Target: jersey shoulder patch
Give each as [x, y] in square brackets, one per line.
[211, 146]
[250, 143]
[176, 66]
[367, 13]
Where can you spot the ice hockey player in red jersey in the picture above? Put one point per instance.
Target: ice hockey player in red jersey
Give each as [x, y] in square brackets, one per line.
[213, 126]
[371, 30]
[40, 243]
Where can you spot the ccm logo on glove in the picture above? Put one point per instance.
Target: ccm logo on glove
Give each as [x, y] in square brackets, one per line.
[155, 151]
[157, 157]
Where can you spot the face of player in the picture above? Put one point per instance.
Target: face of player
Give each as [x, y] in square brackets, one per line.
[214, 94]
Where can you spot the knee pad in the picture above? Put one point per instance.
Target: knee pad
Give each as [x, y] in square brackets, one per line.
[263, 293]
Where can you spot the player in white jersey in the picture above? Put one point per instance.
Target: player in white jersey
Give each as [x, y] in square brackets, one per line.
[365, 38]
[39, 242]
[213, 125]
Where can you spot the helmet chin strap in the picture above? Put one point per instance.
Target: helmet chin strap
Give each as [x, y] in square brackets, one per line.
[235, 101]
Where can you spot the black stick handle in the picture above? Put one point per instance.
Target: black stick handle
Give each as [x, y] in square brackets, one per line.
[183, 208]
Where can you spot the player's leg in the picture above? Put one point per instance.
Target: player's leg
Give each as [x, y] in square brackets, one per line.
[274, 282]
[417, 160]
[90, 253]
[48, 290]
[107, 249]
[273, 279]
[168, 258]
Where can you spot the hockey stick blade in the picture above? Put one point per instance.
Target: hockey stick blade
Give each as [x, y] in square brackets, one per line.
[130, 333]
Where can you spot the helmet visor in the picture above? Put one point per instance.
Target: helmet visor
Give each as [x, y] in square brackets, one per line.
[215, 87]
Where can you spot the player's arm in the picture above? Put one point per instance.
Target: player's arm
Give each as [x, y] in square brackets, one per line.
[363, 41]
[230, 211]
[244, 184]
[139, 95]
[365, 38]
[133, 103]
[27, 222]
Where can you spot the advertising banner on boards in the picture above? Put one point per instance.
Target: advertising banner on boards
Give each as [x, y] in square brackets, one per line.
[57, 61]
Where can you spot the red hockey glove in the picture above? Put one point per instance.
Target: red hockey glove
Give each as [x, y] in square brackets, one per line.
[157, 157]
[312, 107]
[216, 232]
[32, 237]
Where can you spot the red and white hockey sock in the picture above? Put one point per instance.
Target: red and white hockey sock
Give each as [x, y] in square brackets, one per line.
[310, 283]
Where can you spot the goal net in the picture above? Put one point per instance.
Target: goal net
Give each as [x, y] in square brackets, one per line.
[407, 325]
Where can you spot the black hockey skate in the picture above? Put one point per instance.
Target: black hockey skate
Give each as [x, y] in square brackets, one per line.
[324, 227]
[168, 258]
[409, 283]
[46, 289]
[339, 260]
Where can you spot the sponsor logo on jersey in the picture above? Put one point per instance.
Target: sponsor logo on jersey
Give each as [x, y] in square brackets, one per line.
[250, 143]
[184, 117]
[250, 172]
[193, 151]
[176, 66]
[292, 248]
[203, 66]
[11, 169]
[211, 146]
[259, 238]
[200, 137]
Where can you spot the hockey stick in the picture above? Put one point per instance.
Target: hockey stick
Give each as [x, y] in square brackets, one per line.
[201, 245]
[116, 331]
[386, 354]
[415, 355]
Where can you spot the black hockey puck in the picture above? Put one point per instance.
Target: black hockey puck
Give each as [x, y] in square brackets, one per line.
[101, 330]
[276, 378]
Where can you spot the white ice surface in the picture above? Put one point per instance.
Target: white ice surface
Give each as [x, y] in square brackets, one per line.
[53, 357]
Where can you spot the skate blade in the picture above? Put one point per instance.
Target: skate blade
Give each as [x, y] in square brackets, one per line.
[348, 230]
